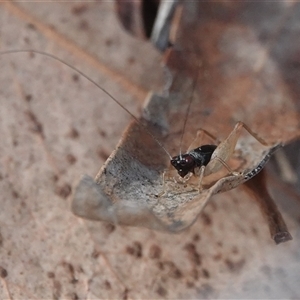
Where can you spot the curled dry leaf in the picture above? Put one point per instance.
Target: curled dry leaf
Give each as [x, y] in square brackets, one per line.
[238, 79]
[128, 187]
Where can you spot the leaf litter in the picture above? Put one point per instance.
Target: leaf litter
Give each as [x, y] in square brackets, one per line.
[237, 76]
[227, 271]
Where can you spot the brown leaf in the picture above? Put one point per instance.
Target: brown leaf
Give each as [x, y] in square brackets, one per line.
[232, 80]
[45, 250]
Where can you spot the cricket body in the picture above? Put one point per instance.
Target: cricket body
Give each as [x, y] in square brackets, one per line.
[192, 160]
[208, 159]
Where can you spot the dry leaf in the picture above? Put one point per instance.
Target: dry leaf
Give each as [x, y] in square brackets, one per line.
[228, 75]
[46, 251]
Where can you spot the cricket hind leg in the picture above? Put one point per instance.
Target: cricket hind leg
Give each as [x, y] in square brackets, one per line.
[239, 125]
[201, 172]
[225, 150]
[199, 137]
[235, 134]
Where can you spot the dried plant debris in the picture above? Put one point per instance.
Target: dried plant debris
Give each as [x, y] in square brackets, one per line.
[258, 191]
[213, 63]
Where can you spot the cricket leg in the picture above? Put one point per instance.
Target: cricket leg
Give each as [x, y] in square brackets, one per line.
[199, 137]
[201, 175]
[203, 170]
[226, 148]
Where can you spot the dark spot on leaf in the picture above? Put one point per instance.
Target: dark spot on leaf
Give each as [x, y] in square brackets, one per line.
[84, 25]
[109, 227]
[107, 284]
[102, 154]
[160, 265]
[190, 284]
[69, 267]
[206, 219]
[131, 60]
[102, 133]
[36, 125]
[75, 77]
[63, 191]
[71, 159]
[235, 266]
[171, 269]
[108, 42]
[54, 178]
[175, 272]
[79, 9]
[50, 275]
[161, 291]
[254, 231]
[74, 296]
[193, 255]
[74, 280]
[154, 252]
[205, 273]
[125, 294]
[31, 26]
[217, 257]
[56, 289]
[235, 250]
[196, 237]
[73, 134]
[135, 250]
[15, 194]
[28, 97]
[3, 272]
[95, 254]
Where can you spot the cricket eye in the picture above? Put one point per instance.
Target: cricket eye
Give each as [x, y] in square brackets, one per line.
[186, 161]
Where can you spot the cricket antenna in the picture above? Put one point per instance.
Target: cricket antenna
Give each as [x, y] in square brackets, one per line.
[93, 82]
[188, 109]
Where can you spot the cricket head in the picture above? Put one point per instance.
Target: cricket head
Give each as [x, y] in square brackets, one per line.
[196, 158]
[183, 164]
